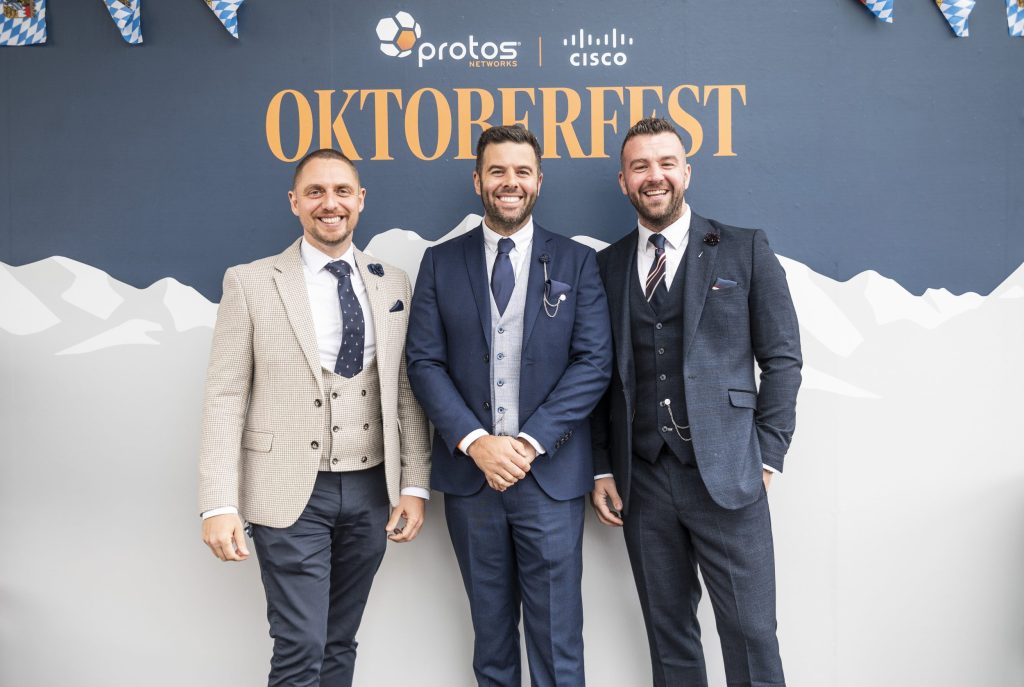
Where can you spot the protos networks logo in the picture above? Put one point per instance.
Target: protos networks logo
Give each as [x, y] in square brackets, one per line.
[597, 51]
[401, 33]
[398, 34]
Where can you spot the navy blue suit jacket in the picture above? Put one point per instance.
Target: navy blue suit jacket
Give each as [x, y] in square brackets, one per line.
[566, 359]
[735, 425]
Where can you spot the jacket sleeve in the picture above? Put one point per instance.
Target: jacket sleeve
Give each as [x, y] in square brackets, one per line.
[226, 399]
[586, 378]
[775, 337]
[426, 352]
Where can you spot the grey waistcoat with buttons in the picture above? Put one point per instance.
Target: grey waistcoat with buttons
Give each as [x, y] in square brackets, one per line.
[354, 433]
[506, 355]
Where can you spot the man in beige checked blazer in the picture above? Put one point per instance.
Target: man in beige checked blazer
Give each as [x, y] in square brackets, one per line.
[310, 430]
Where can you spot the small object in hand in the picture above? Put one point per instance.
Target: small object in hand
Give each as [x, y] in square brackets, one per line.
[399, 527]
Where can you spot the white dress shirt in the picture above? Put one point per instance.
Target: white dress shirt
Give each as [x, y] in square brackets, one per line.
[322, 288]
[677, 235]
[517, 256]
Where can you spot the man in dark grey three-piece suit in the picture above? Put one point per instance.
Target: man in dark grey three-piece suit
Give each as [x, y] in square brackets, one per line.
[685, 442]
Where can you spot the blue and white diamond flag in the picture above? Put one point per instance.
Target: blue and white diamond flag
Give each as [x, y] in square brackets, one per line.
[227, 12]
[1015, 17]
[127, 14]
[956, 13]
[23, 22]
[880, 8]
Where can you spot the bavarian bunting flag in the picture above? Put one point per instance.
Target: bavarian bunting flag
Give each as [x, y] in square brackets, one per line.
[227, 12]
[127, 14]
[1015, 17]
[23, 22]
[880, 8]
[956, 13]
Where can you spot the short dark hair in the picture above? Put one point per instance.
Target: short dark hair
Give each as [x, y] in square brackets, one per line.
[649, 127]
[323, 154]
[505, 134]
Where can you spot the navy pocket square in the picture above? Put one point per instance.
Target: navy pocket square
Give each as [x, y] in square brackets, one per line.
[555, 290]
[397, 307]
[721, 284]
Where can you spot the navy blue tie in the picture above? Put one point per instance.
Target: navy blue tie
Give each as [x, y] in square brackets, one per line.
[353, 326]
[503, 280]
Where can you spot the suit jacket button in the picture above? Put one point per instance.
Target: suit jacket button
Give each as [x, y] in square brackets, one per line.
[661, 377]
[363, 392]
[334, 394]
[366, 425]
[335, 428]
[658, 326]
[314, 444]
[363, 459]
[334, 461]
[487, 357]
[487, 405]
[317, 403]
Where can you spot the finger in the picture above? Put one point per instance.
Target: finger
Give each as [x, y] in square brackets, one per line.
[613, 496]
[396, 516]
[412, 528]
[513, 472]
[226, 549]
[239, 543]
[604, 514]
[521, 462]
[520, 448]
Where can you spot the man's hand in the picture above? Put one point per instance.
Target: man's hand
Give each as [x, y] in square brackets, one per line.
[766, 475]
[412, 508]
[606, 494]
[503, 460]
[225, 536]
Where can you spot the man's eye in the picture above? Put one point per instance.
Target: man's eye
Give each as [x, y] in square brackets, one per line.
[315, 194]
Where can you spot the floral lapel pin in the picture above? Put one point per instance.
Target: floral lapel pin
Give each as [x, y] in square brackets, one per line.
[711, 239]
[376, 268]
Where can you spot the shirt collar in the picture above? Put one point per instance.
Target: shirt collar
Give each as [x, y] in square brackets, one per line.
[522, 238]
[314, 259]
[675, 234]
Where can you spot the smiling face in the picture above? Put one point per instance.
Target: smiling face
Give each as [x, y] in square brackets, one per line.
[327, 199]
[508, 182]
[654, 176]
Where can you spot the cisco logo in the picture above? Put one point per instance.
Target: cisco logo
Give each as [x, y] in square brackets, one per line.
[597, 50]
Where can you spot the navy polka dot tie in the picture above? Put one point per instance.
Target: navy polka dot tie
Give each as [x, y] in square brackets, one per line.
[353, 327]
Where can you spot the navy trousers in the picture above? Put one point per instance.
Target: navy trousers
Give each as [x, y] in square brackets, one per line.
[317, 576]
[672, 528]
[522, 547]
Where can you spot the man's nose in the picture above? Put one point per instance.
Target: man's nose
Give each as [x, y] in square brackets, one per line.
[330, 200]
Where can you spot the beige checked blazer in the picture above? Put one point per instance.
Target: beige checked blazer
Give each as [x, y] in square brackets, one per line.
[264, 407]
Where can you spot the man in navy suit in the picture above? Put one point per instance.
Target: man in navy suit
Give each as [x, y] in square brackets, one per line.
[685, 442]
[509, 350]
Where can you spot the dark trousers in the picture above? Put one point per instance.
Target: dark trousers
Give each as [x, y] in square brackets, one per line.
[672, 528]
[522, 547]
[317, 576]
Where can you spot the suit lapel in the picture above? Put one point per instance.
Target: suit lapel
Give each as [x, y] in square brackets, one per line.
[291, 285]
[535, 281]
[699, 265]
[473, 245]
[621, 270]
[377, 296]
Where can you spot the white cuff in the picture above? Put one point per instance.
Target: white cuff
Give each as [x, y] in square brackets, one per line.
[533, 442]
[223, 510]
[770, 469]
[597, 477]
[417, 491]
[470, 438]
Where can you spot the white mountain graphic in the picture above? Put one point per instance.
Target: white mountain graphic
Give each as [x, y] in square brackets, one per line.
[904, 482]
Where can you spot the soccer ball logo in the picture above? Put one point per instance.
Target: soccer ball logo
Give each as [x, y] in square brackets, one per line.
[398, 34]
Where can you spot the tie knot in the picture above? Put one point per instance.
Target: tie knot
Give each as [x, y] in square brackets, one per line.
[505, 246]
[658, 240]
[339, 268]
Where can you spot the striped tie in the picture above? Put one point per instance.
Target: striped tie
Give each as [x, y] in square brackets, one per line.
[656, 276]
